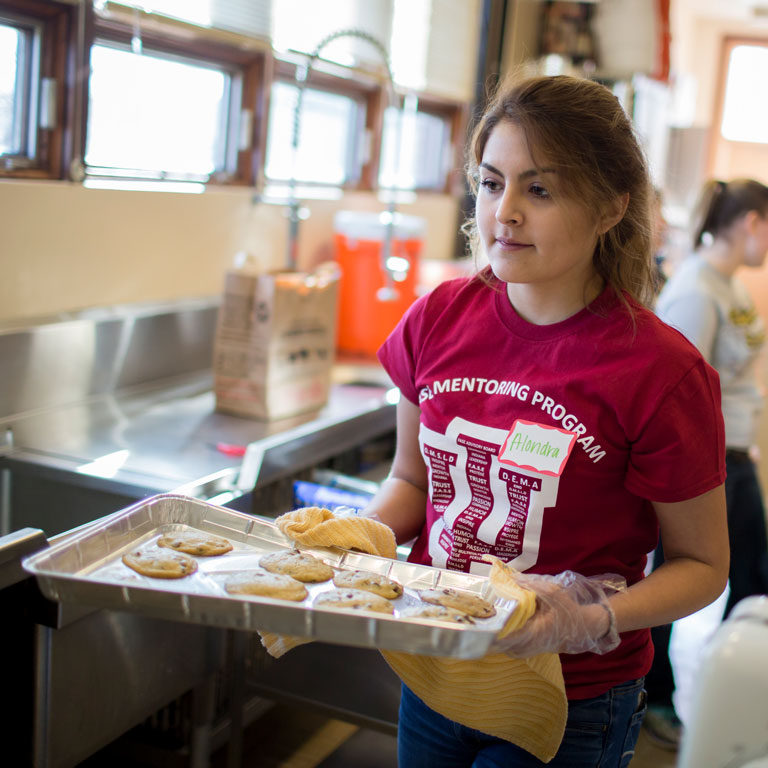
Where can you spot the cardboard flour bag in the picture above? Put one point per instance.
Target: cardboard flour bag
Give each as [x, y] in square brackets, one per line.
[275, 342]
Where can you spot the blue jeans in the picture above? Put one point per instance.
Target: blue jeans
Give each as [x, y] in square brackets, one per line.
[600, 733]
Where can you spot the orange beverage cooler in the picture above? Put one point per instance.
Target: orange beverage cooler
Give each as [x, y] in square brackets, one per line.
[374, 292]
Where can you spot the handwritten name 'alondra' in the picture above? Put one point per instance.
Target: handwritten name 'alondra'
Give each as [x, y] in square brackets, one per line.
[524, 444]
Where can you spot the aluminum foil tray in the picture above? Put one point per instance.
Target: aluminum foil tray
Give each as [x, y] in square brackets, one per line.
[87, 569]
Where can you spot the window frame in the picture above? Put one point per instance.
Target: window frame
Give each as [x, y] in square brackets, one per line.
[730, 43]
[249, 66]
[69, 31]
[456, 116]
[376, 96]
[53, 146]
[365, 90]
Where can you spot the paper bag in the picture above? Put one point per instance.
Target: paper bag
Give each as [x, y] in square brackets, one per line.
[275, 342]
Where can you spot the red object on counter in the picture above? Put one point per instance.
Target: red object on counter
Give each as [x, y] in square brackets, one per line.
[230, 449]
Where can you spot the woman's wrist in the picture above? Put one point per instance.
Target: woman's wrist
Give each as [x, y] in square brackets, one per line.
[610, 638]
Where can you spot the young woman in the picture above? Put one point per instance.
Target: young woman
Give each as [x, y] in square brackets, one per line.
[548, 418]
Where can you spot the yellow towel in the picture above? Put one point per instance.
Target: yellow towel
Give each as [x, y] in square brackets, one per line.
[519, 700]
[318, 527]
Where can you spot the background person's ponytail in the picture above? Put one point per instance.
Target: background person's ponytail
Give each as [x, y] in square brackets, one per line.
[721, 204]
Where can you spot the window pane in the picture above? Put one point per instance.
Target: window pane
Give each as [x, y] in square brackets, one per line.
[329, 128]
[413, 150]
[160, 115]
[12, 90]
[745, 114]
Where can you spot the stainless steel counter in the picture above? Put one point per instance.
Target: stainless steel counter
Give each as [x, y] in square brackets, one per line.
[154, 440]
[161, 438]
[112, 406]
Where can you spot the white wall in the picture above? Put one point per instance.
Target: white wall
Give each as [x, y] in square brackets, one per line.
[65, 248]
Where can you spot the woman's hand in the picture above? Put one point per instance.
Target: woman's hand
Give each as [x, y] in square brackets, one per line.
[572, 615]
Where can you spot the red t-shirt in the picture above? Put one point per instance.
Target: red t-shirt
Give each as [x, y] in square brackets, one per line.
[545, 444]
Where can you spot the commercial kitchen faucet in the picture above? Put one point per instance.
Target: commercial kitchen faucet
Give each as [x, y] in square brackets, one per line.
[388, 292]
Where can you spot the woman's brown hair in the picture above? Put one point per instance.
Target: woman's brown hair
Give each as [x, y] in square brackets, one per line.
[721, 203]
[579, 127]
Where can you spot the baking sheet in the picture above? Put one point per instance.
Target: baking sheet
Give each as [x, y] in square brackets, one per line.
[87, 569]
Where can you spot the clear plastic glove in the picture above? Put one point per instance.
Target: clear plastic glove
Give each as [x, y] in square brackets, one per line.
[361, 513]
[342, 511]
[572, 616]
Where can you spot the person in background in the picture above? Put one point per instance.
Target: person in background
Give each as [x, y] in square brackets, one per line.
[552, 344]
[706, 302]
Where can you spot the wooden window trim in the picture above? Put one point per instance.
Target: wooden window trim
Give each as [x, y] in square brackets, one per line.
[54, 146]
[366, 89]
[456, 180]
[374, 93]
[250, 62]
[457, 117]
[60, 148]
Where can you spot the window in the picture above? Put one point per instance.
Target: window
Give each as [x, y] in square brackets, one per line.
[33, 40]
[172, 101]
[156, 116]
[424, 46]
[330, 128]
[745, 117]
[348, 137]
[14, 90]
[416, 148]
[205, 91]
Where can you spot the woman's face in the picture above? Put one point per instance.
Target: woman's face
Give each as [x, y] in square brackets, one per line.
[757, 243]
[528, 236]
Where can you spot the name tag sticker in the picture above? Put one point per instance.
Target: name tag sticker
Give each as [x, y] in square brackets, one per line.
[538, 447]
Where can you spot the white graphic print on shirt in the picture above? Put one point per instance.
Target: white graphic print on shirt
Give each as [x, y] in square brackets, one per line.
[486, 507]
